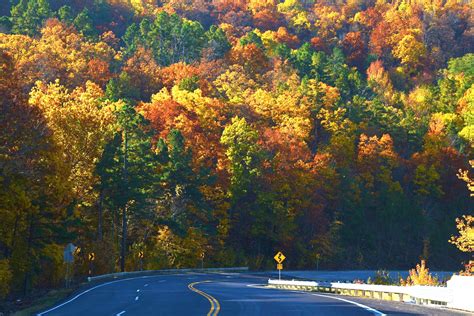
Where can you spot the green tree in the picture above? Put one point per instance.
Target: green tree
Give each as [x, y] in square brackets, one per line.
[122, 87]
[183, 203]
[131, 38]
[65, 14]
[252, 38]
[84, 24]
[244, 154]
[28, 16]
[171, 38]
[217, 43]
[250, 212]
[128, 175]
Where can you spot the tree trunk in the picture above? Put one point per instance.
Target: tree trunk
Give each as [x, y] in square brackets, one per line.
[124, 239]
[124, 210]
[99, 222]
[9, 251]
[28, 248]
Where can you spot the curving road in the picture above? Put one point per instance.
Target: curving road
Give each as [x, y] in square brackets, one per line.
[216, 294]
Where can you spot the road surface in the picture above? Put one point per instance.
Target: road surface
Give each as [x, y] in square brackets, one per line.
[217, 294]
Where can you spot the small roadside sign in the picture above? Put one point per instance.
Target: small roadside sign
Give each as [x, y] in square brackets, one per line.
[141, 254]
[91, 256]
[69, 253]
[279, 257]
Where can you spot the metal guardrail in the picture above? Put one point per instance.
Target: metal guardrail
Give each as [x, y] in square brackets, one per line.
[429, 295]
[165, 271]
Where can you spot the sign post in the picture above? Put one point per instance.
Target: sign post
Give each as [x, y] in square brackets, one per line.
[279, 258]
[318, 256]
[202, 260]
[68, 254]
[140, 256]
[91, 258]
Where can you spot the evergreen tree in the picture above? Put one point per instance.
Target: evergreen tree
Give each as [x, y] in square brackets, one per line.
[217, 43]
[65, 14]
[84, 24]
[127, 174]
[28, 16]
[181, 184]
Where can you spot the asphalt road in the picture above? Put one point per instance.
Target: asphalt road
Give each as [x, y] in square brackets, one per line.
[217, 294]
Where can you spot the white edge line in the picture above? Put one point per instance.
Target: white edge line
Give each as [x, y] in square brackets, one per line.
[93, 288]
[370, 309]
[103, 284]
[122, 312]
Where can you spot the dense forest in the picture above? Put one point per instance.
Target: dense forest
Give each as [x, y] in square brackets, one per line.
[216, 132]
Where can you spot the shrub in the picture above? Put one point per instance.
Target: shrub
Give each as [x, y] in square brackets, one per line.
[468, 269]
[382, 277]
[420, 276]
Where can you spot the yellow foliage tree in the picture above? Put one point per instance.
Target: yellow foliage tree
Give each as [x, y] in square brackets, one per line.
[81, 125]
[410, 50]
[288, 110]
[294, 12]
[329, 21]
[181, 252]
[60, 53]
[235, 85]
[465, 224]
[466, 111]
[464, 175]
[207, 109]
[465, 240]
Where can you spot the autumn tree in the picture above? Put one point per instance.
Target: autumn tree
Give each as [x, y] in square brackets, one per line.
[465, 224]
[76, 59]
[465, 240]
[249, 214]
[355, 49]
[35, 192]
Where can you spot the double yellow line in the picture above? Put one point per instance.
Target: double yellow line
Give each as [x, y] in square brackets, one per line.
[215, 306]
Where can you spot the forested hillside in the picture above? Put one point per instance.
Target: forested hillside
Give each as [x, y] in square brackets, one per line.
[216, 132]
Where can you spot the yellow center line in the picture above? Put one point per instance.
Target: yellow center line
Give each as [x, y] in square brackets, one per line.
[215, 306]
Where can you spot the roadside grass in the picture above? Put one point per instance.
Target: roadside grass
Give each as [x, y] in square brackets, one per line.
[36, 304]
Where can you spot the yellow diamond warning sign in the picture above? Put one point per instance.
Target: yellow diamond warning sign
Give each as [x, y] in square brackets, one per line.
[279, 257]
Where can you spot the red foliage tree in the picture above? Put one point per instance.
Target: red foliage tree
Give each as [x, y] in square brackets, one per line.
[355, 49]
